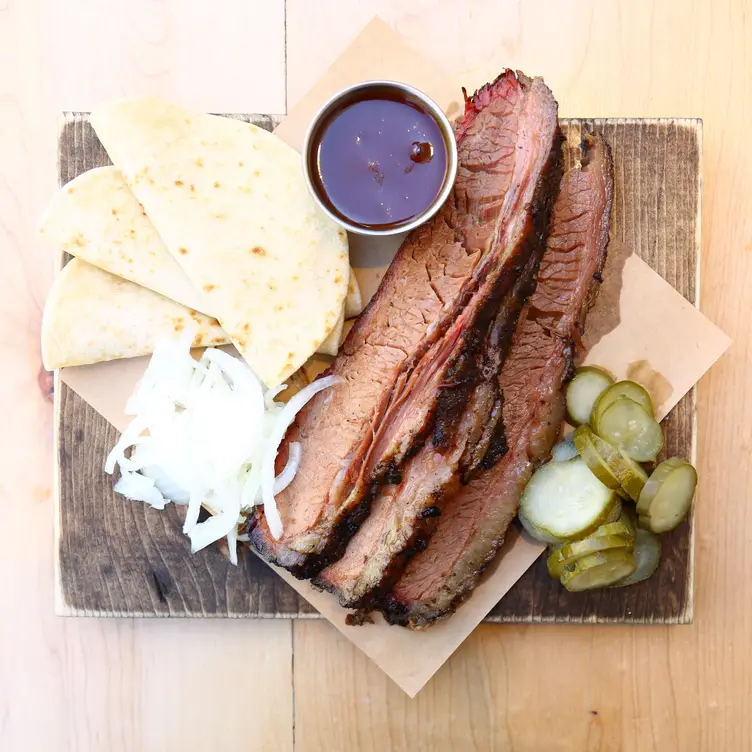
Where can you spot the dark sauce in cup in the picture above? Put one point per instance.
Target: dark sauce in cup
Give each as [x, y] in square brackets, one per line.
[379, 161]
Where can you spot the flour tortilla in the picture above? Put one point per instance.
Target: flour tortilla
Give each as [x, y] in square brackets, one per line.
[353, 307]
[354, 300]
[91, 316]
[230, 202]
[97, 218]
[330, 346]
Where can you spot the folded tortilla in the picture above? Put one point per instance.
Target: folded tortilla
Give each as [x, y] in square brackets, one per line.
[230, 202]
[354, 300]
[91, 316]
[97, 218]
[330, 346]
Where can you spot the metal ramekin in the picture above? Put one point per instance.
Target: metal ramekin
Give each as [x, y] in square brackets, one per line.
[410, 93]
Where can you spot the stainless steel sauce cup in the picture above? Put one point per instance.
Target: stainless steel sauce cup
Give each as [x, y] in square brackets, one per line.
[402, 92]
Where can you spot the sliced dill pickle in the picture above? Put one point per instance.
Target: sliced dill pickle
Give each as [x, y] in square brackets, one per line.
[632, 476]
[537, 532]
[667, 496]
[620, 389]
[647, 556]
[609, 464]
[584, 389]
[564, 449]
[563, 556]
[628, 426]
[624, 527]
[564, 501]
[598, 570]
[596, 453]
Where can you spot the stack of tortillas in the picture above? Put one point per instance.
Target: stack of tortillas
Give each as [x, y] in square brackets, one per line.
[203, 221]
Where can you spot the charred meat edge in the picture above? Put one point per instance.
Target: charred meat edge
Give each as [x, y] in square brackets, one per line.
[497, 319]
[416, 616]
[306, 565]
[498, 338]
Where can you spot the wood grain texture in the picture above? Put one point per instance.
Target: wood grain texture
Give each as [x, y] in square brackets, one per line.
[122, 685]
[150, 570]
[538, 688]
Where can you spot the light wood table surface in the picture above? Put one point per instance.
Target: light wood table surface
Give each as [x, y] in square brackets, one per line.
[74, 684]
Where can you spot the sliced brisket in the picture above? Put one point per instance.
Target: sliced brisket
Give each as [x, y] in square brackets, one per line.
[404, 516]
[417, 338]
[473, 522]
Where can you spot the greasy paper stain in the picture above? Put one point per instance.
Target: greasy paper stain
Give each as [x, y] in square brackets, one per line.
[605, 314]
[655, 382]
[453, 109]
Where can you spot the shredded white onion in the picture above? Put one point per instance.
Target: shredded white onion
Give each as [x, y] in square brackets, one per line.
[286, 417]
[207, 433]
[284, 479]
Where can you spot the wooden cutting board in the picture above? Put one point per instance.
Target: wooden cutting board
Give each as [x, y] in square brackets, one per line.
[119, 558]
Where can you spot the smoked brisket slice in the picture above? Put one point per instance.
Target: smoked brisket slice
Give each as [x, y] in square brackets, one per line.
[473, 522]
[404, 515]
[407, 341]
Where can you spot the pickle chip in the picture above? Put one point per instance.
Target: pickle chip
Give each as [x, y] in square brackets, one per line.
[609, 464]
[647, 556]
[584, 389]
[598, 570]
[537, 532]
[564, 501]
[667, 496]
[624, 527]
[621, 389]
[563, 556]
[631, 474]
[597, 455]
[627, 425]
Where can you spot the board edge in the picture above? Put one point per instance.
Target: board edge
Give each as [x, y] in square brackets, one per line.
[61, 606]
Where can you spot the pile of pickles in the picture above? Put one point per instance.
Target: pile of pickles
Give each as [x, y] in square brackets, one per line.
[594, 502]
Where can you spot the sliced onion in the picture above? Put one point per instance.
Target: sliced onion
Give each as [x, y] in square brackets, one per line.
[207, 433]
[286, 417]
[128, 438]
[232, 544]
[195, 498]
[139, 488]
[242, 377]
[170, 370]
[251, 493]
[212, 529]
[283, 480]
[271, 394]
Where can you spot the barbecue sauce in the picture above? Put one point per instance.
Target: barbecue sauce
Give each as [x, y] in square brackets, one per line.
[380, 161]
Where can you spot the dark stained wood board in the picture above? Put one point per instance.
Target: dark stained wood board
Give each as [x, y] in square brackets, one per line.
[120, 558]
